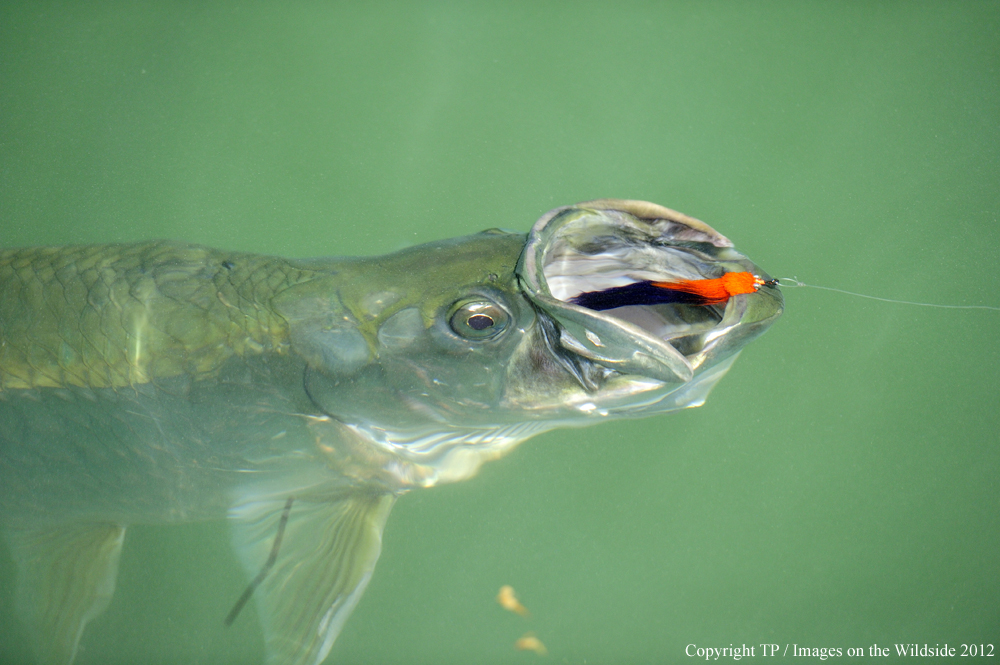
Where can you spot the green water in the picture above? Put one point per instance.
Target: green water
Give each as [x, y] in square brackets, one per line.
[839, 489]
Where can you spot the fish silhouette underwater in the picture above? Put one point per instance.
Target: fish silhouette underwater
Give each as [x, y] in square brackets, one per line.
[165, 382]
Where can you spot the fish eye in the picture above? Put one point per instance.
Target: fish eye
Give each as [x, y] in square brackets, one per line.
[478, 319]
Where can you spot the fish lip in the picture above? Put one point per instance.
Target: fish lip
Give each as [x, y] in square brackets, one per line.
[643, 210]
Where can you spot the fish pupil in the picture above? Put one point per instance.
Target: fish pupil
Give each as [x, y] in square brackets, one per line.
[480, 321]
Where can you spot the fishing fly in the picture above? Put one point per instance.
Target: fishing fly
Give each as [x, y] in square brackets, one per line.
[679, 292]
[717, 291]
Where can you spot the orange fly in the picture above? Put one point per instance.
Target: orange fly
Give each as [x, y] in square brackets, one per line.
[683, 291]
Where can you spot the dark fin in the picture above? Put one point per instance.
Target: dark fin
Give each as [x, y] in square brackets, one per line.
[636, 293]
[327, 554]
[271, 558]
[66, 577]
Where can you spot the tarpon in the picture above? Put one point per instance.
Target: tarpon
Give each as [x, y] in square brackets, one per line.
[165, 382]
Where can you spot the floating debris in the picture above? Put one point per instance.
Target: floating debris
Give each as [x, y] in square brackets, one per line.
[528, 642]
[508, 600]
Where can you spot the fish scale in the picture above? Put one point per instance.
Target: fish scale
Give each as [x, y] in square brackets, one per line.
[115, 315]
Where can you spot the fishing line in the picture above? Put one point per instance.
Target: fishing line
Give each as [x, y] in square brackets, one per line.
[238, 607]
[787, 282]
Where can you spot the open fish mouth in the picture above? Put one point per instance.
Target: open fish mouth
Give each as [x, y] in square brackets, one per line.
[577, 256]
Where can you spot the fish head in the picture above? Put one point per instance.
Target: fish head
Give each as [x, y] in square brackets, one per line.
[448, 354]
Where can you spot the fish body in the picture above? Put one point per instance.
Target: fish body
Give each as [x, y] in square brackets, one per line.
[166, 382]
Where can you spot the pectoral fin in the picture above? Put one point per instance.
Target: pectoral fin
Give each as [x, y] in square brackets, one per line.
[66, 576]
[327, 552]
